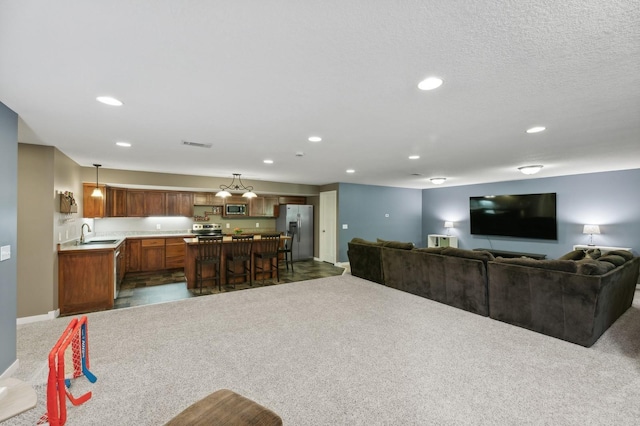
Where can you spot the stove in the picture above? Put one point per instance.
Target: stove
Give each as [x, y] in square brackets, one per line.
[206, 229]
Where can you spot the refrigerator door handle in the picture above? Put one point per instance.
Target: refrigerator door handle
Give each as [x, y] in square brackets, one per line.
[299, 227]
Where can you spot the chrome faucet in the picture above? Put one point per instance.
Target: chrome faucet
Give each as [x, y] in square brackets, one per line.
[82, 232]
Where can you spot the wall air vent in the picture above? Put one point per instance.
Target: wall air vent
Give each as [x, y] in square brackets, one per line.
[196, 144]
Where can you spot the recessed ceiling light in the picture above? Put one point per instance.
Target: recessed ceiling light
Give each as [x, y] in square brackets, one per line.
[530, 170]
[268, 161]
[124, 144]
[430, 83]
[315, 139]
[536, 129]
[414, 157]
[350, 171]
[108, 100]
[438, 180]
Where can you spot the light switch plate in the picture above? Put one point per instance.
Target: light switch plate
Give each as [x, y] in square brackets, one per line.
[345, 226]
[5, 253]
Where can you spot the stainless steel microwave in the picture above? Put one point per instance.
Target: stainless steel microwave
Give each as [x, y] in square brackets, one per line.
[236, 209]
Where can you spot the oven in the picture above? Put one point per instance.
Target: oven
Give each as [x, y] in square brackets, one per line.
[206, 229]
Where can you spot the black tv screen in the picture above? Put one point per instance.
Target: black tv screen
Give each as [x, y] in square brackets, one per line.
[524, 215]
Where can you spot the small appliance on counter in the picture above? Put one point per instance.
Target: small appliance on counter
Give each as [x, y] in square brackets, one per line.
[206, 229]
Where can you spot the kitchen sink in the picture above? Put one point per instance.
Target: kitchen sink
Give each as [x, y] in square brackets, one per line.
[99, 242]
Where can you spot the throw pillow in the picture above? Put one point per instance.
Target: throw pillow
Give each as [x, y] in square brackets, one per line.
[573, 255]
[627, 255]
[592, 254]
[613, 258]
[593, 267]
[398, 245]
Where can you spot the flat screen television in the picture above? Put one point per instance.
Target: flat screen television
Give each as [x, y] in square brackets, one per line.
[523, 215]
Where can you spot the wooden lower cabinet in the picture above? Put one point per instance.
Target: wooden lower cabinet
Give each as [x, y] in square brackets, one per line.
[85, 281]
[174, 253]
[153, 254]
[134, 255]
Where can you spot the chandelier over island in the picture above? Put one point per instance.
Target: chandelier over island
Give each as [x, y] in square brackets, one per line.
[233, 186]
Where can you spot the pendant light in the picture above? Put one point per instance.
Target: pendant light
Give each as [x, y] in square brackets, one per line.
[96, 192]
[233, 186]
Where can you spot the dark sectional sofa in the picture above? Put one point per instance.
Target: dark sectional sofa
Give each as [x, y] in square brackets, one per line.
[574, 300]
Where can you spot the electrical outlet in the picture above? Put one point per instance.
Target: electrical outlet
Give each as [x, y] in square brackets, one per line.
[158, 226]
[66, 234]
[257, 225]
[228, 225]
[59, 236]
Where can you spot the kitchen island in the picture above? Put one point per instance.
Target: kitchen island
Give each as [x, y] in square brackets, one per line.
[208, 270]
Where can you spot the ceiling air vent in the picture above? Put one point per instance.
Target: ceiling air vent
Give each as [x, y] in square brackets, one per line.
[196, 144]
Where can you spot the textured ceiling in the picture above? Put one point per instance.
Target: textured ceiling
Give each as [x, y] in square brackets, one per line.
[256, 78]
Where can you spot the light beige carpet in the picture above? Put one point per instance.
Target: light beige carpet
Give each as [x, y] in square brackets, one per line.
[342, 351]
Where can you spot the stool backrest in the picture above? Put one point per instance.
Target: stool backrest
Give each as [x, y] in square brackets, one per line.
[209, 247]
[240, 246]
[270, 243]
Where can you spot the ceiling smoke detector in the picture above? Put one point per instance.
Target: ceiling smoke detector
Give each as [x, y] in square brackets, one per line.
[196, 144]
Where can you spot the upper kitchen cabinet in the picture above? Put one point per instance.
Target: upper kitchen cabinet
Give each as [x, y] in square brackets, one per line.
[116, 202]
[135, 203]
[263, 206]
[141, 203]
[93, 206]
[155, 203]
[290, 199]
[180, 204]
[207, 199]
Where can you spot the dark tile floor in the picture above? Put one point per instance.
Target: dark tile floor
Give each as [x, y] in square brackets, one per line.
[147, 289]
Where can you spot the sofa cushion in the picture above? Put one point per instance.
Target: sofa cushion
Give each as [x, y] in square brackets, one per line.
[469, 254]
[549, 264]
[366, 242]
[613, 258]
[432, 250]
[396, 244]
[593, 267]
[627, 255]
[573, 255]
[592, 253]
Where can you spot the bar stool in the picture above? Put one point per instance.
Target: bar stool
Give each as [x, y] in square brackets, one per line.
[269, 250]
[209, 253]
[239, 251]
[287, 250]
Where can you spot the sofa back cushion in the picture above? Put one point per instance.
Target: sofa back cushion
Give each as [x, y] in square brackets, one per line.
[396, 244]
[549, 264]
[432, 250]
[573, 255]
[613, 259]
[627, 255]
[593, 267]
[483, 255]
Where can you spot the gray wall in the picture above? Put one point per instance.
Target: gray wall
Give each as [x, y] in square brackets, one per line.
[8, 234]
[607, 199]
[363, 207]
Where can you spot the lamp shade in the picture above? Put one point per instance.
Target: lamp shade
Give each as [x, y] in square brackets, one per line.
[591, 229]
[448, 224]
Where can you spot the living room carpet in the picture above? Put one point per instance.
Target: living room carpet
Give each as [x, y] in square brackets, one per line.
[340, 351]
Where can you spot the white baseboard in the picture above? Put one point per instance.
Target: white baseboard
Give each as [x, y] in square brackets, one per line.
[11, 370]
[35, 318]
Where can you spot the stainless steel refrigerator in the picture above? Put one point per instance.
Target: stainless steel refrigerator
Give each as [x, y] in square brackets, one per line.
[299, 219]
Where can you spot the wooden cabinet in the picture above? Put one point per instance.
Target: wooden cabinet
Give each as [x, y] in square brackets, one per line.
[207, 199]
[92, 206]
[85, 281]
[153, 254]
[134, 255]
[290, 199]
[116, 202]
[263, 206]
[155, 203]
[437, 240]
[174, 253]
[135, 203]
[180, 204]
